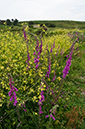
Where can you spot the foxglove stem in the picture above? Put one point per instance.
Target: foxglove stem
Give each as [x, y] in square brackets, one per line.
[41, 100]
[24, 34]
[37, 53]
[68, 64]
[54, 77]
[51, 114]
[57, 51]
[49, 68]
[61, 52]
[40, 48]
[24, 107]
[51, 49]
[54, 44]
[28, 54]
[12, 92]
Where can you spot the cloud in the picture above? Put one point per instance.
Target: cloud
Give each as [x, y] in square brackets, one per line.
[42, 9]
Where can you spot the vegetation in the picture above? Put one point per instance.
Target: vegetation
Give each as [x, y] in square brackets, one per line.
[42, 80]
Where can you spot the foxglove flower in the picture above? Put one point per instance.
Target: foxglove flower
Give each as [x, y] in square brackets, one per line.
[51, 114]
[52, 117]
[49, 69]
[24, 107]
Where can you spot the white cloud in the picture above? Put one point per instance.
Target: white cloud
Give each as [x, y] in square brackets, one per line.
[42, 9]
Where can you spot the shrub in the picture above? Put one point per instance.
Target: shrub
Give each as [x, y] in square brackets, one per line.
[50, 25]
[31, 22]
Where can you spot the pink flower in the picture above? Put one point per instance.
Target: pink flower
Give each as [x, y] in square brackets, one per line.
[47, 116]
[52, 117]
[24, 110]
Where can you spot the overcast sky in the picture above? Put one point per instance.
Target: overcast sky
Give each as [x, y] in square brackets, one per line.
[26, 10]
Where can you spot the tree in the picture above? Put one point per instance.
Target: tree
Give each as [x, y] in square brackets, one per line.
[12, 20]
[8, 22]
[15, 22]
[2, 22]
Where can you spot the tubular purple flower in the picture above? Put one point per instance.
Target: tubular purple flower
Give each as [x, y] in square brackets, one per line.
[10, 93]
[15, 88]
[15, 102]
[51, 114]
[34, 53]
[52, 117]
[36, 66]
[36, 61]
[11, 98]
[66, 55]
[40, 111]
[61, 52]
[47, 116]
[35, 58]
[38, 57]
[42, 96]
[77, 39]
[51, 49]
[24, 107]
[54, 78]
[24, 110]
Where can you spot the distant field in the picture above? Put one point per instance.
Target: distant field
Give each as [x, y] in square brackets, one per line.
[57, 24]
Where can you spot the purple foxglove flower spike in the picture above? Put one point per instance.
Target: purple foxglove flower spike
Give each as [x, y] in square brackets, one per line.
[51, 49]
[41, 100]
[12, 92]
[49, 69]
[68, 64]
[28, 56]
[24, 34]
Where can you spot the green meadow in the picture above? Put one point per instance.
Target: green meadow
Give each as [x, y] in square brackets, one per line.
[42, 75]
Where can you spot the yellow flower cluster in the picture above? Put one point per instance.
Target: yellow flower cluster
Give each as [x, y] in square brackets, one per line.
[13, 58]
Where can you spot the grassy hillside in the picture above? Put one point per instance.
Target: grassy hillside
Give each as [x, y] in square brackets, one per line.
[56, 24]
[48, 76]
